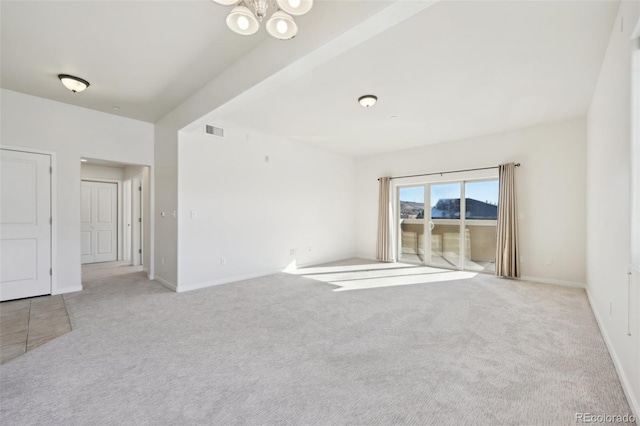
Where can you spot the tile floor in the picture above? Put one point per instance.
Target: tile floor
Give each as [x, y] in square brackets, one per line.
[28, 323]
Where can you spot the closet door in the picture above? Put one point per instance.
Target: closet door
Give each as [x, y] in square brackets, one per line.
[99, 217]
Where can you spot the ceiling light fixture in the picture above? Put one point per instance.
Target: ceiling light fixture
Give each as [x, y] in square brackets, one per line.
[367, 100]
[75, 84]
[246, 16]
[83, 160]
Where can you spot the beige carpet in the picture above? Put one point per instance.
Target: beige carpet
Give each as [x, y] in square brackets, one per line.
[289, 350]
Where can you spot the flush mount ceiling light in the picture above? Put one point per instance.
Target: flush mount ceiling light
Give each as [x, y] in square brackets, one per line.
[75, 84]
[246, 16]
[367, 100]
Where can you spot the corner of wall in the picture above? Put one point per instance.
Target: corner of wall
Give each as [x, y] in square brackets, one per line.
[608, 184]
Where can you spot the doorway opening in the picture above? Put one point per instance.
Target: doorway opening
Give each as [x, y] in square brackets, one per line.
[455, 229]
[115, 214]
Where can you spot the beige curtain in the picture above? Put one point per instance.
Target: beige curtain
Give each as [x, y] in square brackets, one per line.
[507, 252]
[385, 246]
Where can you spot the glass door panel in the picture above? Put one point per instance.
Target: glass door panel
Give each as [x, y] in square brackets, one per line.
[411, 233]
[444, 223]
[456, 231]
[481, 218]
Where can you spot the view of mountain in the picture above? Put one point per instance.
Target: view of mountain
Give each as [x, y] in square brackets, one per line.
[449, 208]
[411, 210]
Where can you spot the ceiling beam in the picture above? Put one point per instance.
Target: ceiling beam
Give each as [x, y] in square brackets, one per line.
[388, 17]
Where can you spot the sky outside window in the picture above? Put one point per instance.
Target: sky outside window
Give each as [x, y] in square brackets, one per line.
[444, 191]
[414, 194]
[486, 191]
[445, 200]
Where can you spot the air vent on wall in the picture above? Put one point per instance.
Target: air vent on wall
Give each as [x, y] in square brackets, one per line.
[215, 131]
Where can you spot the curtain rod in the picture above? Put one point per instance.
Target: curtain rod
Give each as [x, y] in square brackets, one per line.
[451, 171]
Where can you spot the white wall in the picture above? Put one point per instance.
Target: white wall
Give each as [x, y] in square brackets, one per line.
[551, 191]
[94, 171]
[71, 133]
[608, 183]
[129, 172]
[166, 202]
[262, 69]
[253, 212]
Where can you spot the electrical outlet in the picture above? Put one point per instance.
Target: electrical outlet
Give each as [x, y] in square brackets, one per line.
[610, 309]
[223, 260]
[309, 249]
[548, 261]
[162, 260]
[194, 214]
[521, 259]
[292, 252]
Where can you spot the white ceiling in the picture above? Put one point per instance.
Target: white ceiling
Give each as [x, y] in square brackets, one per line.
[142, 56]
[453, 70]
[145, 57]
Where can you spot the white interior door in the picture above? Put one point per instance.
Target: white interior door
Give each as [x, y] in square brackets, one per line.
[25, 227]
[99, 217]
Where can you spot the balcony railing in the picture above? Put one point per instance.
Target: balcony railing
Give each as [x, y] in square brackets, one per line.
[479, 244]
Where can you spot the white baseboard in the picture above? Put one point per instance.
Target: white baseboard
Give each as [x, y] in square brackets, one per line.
[149, 276]
[211, 283]
[66, 290]
[554, 282]
[626, 387]
[165, 283]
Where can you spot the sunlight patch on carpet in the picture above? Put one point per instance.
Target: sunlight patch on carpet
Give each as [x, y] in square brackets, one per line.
[361, 277]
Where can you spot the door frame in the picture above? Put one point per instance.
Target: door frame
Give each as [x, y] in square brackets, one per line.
[127, 216]
[428, 220]
[53, 261]
[462, 177]
[137, 214]
[133, 214]
[119, 230]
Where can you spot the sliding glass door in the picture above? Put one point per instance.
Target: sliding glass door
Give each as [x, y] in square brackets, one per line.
[411, 224]
[480, 224]
[444, 224]
[457, 228]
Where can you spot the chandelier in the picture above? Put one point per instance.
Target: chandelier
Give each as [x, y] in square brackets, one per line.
[246, 16]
